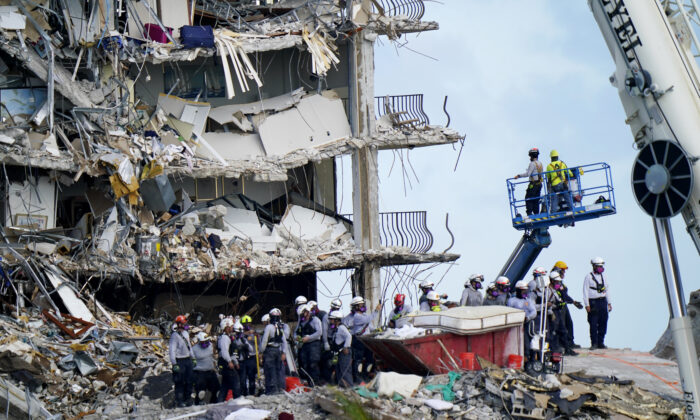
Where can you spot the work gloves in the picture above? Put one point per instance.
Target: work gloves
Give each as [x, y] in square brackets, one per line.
[176, 368]
[578, 305]
[326, 346]
[194, 362]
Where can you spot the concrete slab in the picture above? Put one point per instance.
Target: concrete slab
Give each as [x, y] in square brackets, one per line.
[647, 371]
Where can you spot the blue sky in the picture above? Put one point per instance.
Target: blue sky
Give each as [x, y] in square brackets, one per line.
[520, 75]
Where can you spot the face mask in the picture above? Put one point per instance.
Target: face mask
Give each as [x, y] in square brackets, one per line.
[363, 309]
[332, 325]
[506, 289]
[523, 295]
[303, 318]
[477, 285]
[204, 344]
[494, 292]
[274, 319]
[557, 286]
[599, 269]
[186, 327]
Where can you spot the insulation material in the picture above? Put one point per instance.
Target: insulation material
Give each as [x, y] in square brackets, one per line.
[232, 146]
[388, 383]
[470, 319]
[310, 225]
[31, 206]
[315, 121]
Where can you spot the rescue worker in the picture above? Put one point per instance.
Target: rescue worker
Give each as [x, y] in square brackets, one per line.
[499, 294]
[265, 319]
[273, 347]
[534, 188]
[433, 304]
[180, 353]
[205, 378]
[340, 342]
[559, 298]
[248, 341]
[327, 355]
[521, 300]
[315, 311]
[561, 267]
[491, 295]
[536, 285]
[426, 286]
[359, 324]
[308, 333]
[558, 178]
[596, 299]
[300, 300]
[471, 296]
[228, 363]
[398, 314]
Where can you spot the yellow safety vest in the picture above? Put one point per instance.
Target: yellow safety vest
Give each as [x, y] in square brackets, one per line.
[555, 178]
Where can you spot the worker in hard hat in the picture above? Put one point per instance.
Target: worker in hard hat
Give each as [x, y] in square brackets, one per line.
[596, 299]
[534, 188]
[180, 353]
[433, 303]
[500, 293]
[340, 343]
[205, 378]
[300, 300]
[397, 316]
[327, 367]
[558, 176]
[561, 267]
[521, 300]
[490, 295]
[249, 343]
[359, 322]
[471, 296]
[426, 286]
[559, 335]
[308, 333]
[228, 360]
[273, 347]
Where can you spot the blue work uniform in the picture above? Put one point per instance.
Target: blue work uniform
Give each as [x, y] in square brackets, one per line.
[249, 365]
[397, 317]
[326, 354]
[527, 305]
[359, 324]
[230, 381]
[205, 378]
[272, 346]
[471, 297]
[180, 353]
[340, 342]
[596, 295]
[311, 331]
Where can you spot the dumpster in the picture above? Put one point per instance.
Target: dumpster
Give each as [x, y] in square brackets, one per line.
[491, 332]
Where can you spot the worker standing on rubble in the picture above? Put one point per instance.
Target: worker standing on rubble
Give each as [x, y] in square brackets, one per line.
[205, 378]
[499, 294]
[558, 178]
[561, 267]
[596, 298]
[559, 299]
[228, 364]
[327, 355]
[180, 352]
[340, 343]
[433, 303]
[273, 347]
[359, 324]
[471, 296]
[521, 300]
[309, 332]
[426, 286]
[249, 363]
[534, 188]
[398, 314]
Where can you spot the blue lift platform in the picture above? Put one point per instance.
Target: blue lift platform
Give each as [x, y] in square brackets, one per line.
[596, 199]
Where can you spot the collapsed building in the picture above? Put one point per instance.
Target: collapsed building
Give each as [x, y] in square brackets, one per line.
[154, 151]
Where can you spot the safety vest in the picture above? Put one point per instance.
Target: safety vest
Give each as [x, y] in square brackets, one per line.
[562, 174]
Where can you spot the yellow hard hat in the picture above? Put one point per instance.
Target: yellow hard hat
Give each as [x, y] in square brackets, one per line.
[246, 319]
[553, 153]
[561, 265]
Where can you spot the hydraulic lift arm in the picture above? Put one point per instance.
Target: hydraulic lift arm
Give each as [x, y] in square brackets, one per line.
[525, 254]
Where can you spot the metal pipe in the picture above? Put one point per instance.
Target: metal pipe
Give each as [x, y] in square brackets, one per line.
[669, 266]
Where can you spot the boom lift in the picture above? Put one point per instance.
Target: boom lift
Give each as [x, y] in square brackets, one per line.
[657, 77]
[596, 200]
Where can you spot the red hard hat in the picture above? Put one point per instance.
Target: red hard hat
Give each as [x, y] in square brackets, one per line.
[533, 151]
[180, 319]
[399, 299]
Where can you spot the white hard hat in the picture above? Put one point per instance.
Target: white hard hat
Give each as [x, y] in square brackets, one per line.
[300, 300]
[476, 276]
[201, 336]
[336, 304]
[426, 283]
[238, 327]
[522, 284]
[539, 271]
[335, 315]
[502, 280]
[597, 261]
[226, 322]
[312, 303]
[357, 300]
[433, 295]
[265, 318]
[554, 276]
[302, 308]
[275, 312]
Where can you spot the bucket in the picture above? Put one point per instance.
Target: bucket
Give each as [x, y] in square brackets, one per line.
[515, 361]
[292, 382]
[468, 361]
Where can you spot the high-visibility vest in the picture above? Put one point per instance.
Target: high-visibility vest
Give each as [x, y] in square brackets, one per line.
[555, 178]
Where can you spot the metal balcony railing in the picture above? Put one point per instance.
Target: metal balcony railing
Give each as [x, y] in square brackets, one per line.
[403, 110]
[407, 229]
[412, 9]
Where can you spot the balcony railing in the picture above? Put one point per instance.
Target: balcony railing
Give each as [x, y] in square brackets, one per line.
[412, 9]
[403, 110]
[407, 229]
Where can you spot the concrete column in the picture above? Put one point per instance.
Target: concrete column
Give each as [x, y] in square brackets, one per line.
[365, 180]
